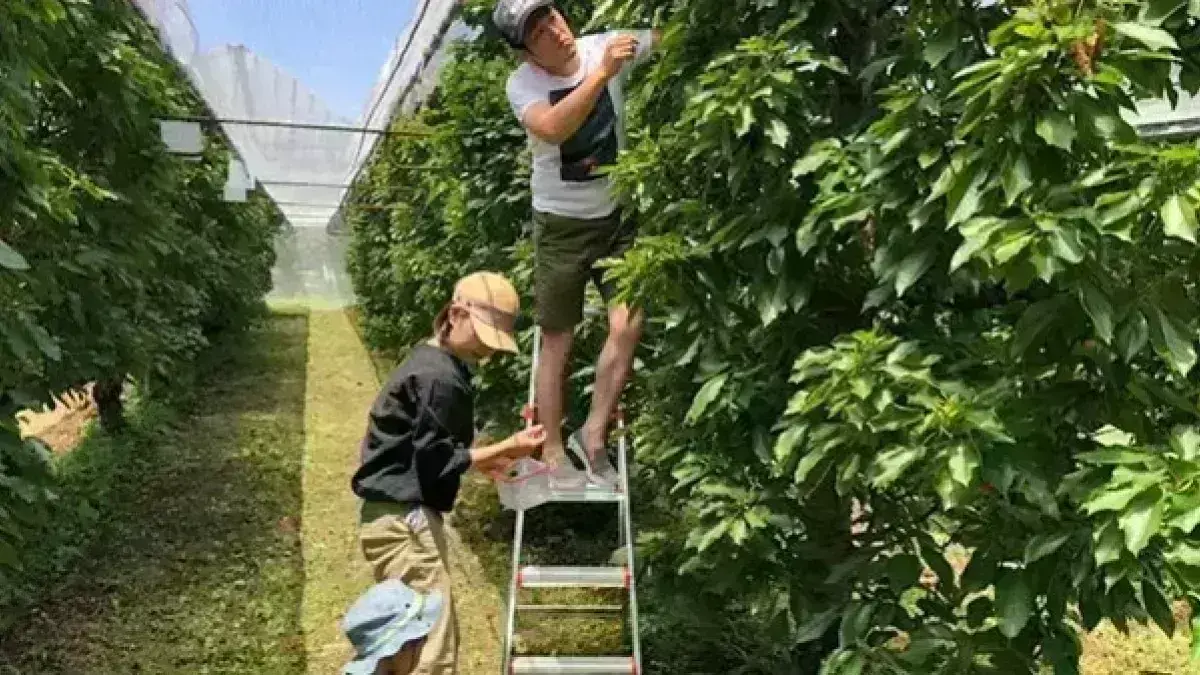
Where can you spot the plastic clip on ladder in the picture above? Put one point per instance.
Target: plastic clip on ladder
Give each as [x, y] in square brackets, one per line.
[616, 576]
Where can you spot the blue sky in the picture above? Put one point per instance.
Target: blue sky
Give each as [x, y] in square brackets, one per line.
[335, 47]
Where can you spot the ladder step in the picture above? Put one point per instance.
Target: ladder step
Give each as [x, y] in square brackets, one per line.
[610, 576]
[572, 609]
[591, 493]
[574, 665]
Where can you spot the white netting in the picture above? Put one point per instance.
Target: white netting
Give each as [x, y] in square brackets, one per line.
[306, 170]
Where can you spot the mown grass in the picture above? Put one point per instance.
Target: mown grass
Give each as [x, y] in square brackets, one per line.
[192, 561]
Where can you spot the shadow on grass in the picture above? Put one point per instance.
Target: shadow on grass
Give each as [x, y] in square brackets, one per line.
[184, 532]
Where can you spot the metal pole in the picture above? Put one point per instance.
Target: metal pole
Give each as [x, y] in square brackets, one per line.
[281, 124]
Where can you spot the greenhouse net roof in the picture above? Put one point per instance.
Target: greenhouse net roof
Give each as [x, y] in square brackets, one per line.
[304, 155]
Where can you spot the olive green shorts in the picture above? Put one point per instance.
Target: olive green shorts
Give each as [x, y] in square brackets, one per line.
[565, 257]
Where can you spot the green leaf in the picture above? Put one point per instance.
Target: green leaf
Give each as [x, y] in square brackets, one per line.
[968, 204]
[787, 442]
[778, 133]
[1116, 457]
[816, 625]
[1156, 11]
[856, 621]
[747, 121]
[1056, 129]
[809, 462]
[981, 569]
[817, 156]
[940, 46]
[1190, 518]
[1109, 544]
[704, 398]
[1142, 520]
[1043, 545]
[1158, 607]
[903, 572]
[1067, 244]
[1186, 442]
[891, 463]
[1014, 602]
[1113, 500]
[773, 301]
[1036, 319]
[1097, 306]
[964, 461]
[928, 157]
[1179, 218]
[712, 535]
[1154, 38]
[1174, 342]
[9, 556]
[45, 343]
[1018, 178]
[912, 268]
[1195, 651]
[1133, 336]
[846, 663]
[1184, 554]
[897, 139]
[1110, 436]
[10, 259]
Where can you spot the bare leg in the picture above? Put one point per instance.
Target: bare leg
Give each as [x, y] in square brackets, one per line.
[551, 390]
[612, 372]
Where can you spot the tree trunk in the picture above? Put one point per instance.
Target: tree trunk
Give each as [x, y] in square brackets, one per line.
[107, 395]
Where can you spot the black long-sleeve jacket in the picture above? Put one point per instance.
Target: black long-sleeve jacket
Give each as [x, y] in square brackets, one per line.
[419, 433]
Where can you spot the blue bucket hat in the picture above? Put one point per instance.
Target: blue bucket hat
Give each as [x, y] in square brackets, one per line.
[384, 620]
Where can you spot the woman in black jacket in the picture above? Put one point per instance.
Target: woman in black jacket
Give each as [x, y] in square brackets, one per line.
[418, 445]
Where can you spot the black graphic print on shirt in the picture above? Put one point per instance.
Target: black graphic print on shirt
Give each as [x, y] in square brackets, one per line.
[594, 144]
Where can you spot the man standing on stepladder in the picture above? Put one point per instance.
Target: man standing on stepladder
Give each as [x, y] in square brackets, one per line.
[568, 94]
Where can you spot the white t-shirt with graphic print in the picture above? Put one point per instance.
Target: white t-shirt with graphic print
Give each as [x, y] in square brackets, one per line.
[564, 180]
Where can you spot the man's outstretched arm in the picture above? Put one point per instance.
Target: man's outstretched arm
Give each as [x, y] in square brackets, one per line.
[558, 122]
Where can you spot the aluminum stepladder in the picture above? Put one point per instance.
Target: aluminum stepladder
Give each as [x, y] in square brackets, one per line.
[610, 576]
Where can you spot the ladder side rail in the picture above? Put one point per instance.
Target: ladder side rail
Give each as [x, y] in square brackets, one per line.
[626, 507]
[519, 534]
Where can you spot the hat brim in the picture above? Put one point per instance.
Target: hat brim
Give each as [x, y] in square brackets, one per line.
[417, 629]
[493, 337]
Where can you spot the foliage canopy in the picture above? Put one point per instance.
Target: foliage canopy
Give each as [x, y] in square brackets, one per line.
[905, 256]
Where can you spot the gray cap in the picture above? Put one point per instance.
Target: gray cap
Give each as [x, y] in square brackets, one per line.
[511, 17]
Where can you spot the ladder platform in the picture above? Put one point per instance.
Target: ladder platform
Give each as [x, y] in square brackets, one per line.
[608, 576]
[574, 665]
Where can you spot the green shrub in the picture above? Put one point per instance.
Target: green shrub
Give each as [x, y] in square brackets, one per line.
[905, 261]
[117, 260]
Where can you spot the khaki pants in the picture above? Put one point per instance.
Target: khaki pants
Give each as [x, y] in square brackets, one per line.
[406, 543]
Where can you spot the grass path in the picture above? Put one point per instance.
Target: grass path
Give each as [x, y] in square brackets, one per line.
[341, 384]
[195, 565]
